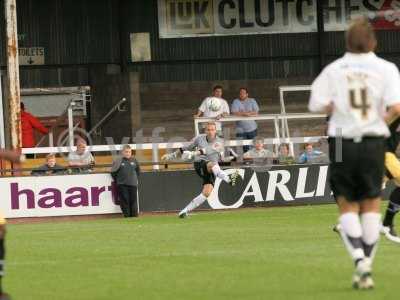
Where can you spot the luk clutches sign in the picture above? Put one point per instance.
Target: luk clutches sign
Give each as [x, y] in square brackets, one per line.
[188, 17]
[31, 56]
[193, 18]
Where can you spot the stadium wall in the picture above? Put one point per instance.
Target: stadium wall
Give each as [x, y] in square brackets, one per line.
[90, 194]
[78, 37]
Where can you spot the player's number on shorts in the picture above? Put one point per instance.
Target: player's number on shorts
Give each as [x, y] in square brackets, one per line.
[359, 100]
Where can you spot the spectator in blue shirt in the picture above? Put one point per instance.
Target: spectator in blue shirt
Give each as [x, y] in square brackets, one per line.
[245, 107]
[310, 155]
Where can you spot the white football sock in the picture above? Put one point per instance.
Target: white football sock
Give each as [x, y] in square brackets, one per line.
[371, 225]
[196, 202]
[351, 234]
[220, 173]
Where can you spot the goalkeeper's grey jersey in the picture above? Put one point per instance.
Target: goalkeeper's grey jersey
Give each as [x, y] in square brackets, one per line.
[214, 149]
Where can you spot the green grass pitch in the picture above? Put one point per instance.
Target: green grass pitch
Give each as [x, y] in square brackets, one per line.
[278, 253]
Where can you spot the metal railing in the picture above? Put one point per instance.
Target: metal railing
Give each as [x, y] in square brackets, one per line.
[282, 91]
[116, 107]
[262, 117]
[276, 118]
[156, 147]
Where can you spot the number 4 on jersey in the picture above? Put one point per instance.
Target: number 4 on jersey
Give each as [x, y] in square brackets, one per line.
[358, 94]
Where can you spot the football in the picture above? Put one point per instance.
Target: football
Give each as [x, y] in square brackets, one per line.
[214, 104]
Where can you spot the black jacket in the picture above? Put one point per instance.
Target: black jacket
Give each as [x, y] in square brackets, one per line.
[125, 171]
[46, 170]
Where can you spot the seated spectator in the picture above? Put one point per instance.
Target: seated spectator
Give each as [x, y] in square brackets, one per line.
[205, 111]
[284, 157]
[245, 107]
[311, 155]
[81, 160]
[50, 167]
[258, 152]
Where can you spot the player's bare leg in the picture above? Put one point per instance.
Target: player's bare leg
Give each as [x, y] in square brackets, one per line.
[214, 168]
[199, 200]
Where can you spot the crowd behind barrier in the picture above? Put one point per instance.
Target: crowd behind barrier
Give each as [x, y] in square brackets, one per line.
[257, 155]
[251, 149]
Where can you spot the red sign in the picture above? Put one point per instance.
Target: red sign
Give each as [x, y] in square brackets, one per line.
[388, 16]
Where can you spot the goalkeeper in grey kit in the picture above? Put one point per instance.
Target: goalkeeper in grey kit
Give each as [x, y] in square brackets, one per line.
[206, 149]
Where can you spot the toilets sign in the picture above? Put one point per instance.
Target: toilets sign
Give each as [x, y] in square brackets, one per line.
[31, 56]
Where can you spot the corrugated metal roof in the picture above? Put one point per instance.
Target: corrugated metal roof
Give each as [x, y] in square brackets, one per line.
[86, 32]
[72, 32]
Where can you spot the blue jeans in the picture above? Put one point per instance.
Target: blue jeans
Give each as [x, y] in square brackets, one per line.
[246, 136]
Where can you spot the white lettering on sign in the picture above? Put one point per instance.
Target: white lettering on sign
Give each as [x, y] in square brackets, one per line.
[277, 181]
[301, 185]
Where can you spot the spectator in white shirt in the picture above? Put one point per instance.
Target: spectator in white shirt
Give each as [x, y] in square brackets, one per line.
[81, 160]
[205, 111]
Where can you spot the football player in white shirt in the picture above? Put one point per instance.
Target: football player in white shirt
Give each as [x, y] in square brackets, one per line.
[205, 111]
[357, 90]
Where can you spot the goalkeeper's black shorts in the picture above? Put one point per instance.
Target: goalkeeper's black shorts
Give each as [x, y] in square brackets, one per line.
[201, 170]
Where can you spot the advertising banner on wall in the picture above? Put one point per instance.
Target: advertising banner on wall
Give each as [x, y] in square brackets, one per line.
[168, 191]
[67, 195]
[275, 186]
[195, 18]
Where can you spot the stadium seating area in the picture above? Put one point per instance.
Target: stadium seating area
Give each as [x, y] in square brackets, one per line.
[103, 162]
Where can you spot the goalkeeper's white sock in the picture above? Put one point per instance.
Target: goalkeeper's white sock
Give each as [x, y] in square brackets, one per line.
[351, 234]
[371, 225]
[196, 202]
[220, 173]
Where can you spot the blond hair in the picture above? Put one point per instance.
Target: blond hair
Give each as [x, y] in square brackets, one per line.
[50, 155]
[360, 36]
[211, 124]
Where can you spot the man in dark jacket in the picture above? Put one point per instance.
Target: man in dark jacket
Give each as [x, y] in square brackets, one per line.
[125, 171]
[50, 167]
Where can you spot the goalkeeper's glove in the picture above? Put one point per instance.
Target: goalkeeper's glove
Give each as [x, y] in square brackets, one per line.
[189, 155]
[170, 156]
[227, 159]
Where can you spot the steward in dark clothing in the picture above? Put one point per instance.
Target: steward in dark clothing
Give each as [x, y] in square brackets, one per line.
[125, 171]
